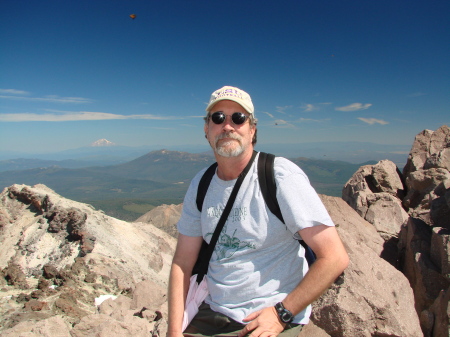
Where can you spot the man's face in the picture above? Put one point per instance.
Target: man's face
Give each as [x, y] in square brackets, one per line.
[228, 139]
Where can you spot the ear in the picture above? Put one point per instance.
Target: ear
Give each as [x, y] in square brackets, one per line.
[205, 129]
[253, 130]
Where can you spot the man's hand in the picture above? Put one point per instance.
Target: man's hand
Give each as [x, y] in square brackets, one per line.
[264, 323]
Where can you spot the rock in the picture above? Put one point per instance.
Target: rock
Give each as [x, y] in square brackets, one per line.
[425, 239]
[430, 150]
[421, 186]
[100, 325]
[371, 297]
[14, 276]
[386, 213]
[440, 250]
[424, 276]
[440, 310]
[164, 217]
[312, 330]
[440, 207]
[49, 271]
[62, 254]
[423, 244]
[149, 295]
[374, 191]
[35, 305]
[427, 177]
[51, 327]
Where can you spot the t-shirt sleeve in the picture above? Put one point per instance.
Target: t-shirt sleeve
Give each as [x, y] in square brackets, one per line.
[189, 223]
[299, 202]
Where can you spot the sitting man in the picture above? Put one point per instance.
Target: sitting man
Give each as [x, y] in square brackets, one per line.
[258, 279]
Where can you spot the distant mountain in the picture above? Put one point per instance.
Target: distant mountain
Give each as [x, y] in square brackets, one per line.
[25, 163]
[102, 142]
[352, 152]
[165, 166]
[85, 184]
[158, 174]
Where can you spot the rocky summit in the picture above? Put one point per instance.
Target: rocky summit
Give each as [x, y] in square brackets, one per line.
[70, 270]
[59, 258]
[411, 212]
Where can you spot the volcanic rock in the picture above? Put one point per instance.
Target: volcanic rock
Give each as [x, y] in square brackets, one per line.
[371, 297]
[164, 217]
[57, 256]
[423, 232]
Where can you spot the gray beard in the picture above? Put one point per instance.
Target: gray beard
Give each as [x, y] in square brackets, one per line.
[225, 151]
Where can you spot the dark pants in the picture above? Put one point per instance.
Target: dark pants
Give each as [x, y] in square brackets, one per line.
[210, 323]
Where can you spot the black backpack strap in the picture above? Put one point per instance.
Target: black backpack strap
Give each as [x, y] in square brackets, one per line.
[206, 251]
[204, 184]
[266, 177]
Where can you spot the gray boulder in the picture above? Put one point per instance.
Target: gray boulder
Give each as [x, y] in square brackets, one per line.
[371, 298]
[423, 237]
[374, 192]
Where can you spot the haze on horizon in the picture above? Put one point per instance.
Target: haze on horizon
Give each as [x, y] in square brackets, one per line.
[76, 72]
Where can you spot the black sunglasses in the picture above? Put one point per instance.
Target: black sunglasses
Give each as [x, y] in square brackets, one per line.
[237, 118]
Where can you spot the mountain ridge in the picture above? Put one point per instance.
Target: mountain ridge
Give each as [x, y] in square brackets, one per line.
[128, 190]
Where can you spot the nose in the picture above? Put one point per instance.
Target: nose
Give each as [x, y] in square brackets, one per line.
[227, 125]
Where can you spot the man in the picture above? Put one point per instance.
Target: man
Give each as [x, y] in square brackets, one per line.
[258, 278]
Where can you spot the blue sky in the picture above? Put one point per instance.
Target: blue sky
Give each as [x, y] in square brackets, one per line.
[73, 72]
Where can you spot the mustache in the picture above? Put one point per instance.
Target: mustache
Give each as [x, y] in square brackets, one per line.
[231, 135]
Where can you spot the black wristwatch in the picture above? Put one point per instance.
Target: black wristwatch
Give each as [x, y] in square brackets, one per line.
[284, 314]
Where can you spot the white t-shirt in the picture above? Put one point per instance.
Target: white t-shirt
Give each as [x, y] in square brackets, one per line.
[257, 260]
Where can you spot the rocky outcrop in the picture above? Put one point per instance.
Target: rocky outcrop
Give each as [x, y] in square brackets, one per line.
[428, 179]
[418, 244]
[371, 297]
[164, 217]
[375, 192]
[57, 256]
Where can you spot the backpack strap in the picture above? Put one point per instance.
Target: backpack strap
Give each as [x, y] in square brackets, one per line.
[266, 177]
[267, 184]
[201, 266]
[204, 184]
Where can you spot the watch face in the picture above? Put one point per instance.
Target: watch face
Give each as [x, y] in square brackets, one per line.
[286, 317]
[284, 314]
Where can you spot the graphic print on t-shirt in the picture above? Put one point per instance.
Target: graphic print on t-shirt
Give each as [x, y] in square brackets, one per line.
[228, 244]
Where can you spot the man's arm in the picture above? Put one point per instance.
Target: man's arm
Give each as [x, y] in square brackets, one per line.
[331, 261]
[186, 254]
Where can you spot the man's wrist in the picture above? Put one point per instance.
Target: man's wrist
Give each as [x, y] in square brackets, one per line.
[284, 314]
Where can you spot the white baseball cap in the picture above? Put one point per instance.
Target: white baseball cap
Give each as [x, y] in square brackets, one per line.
[233, 94]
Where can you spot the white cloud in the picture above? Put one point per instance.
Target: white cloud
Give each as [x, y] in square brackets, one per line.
[13, 92]
[309, 107]
[354, 107]
[50, 98]
[372, 121]
[268, 114]
[281, 109]
[304, 120]
[65, 116]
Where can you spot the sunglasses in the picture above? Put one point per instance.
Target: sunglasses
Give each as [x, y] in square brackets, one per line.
[237, 118]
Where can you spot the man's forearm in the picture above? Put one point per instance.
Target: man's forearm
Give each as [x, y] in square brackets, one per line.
[323, 272]
[178, 287]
